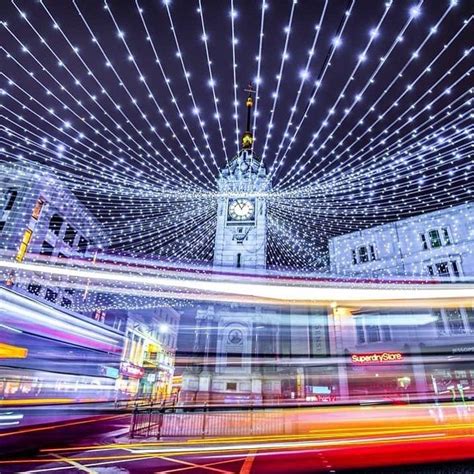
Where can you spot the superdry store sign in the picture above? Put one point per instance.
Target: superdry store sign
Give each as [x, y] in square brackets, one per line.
[376, 358]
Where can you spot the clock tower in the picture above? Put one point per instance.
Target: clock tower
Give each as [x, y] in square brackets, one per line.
[241, 231]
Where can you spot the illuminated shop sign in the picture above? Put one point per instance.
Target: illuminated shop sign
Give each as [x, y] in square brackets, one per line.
[131, 370]
[377, 358]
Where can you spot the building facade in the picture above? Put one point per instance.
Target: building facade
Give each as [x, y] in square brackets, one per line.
[148, 356]
[42, 220]
[436, 244]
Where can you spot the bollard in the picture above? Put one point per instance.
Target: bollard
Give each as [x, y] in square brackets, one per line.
[161, 415]
[133, 422]
[204, 420]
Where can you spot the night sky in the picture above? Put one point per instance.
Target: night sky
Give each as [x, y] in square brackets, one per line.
[362, 114]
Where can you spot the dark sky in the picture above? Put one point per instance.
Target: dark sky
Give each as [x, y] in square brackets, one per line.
[106, 119]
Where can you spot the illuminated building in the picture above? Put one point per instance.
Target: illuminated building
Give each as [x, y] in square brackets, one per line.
[41, 219]
[148, 356]
[436, 244]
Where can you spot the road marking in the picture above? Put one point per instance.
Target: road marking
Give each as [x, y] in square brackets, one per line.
[75, 464]
[247, 466]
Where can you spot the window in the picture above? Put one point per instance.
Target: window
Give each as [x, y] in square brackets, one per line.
[10, 198]
[34, 289]
[46, 249]
[430, 270]
[37, 209]
[447, 240]
[439, 322]
[360, 331]
[443, 269]
[67, 303]
[82, 245]
[363, 255]
[2, 225]
[51, 295]
[55, 224]
[25, 241]
[354, 257]
[373, 333]
[454, 265]
[70, 235]
[239, 260]
[470, 318]
[231, 386]
[372, 253]
[424, 243]
[387, 335]
[435, 239]
[455, 322]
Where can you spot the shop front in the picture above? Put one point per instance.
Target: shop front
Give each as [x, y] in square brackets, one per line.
[128, 383]
[450, 371]
[380, 377]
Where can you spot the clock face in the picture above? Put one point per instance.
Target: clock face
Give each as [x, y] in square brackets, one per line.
[241, 210]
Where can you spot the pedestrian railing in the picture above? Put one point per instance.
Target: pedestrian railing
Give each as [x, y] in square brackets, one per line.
[204, 421]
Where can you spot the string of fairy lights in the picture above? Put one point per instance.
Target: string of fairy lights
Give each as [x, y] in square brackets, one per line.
[360, 117]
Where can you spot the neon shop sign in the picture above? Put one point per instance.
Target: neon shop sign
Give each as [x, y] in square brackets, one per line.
[376, 358]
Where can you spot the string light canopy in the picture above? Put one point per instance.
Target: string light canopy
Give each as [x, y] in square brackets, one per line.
[362, 113]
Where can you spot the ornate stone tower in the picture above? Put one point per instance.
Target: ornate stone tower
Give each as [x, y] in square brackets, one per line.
[241, 233]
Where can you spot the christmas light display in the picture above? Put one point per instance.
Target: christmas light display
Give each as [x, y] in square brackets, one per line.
[362, 115]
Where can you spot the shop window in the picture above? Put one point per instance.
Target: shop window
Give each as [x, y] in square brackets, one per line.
[231, 386]
[435, 239]
[51, 295]
[10, 198]
[70, 235]
[34, 289]
[46, 249]
[55, 224]
[363, 255]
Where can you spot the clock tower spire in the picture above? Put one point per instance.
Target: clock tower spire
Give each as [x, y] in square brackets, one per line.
[247, 137]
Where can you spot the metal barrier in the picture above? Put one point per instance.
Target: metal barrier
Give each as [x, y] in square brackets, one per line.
[204, 421]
